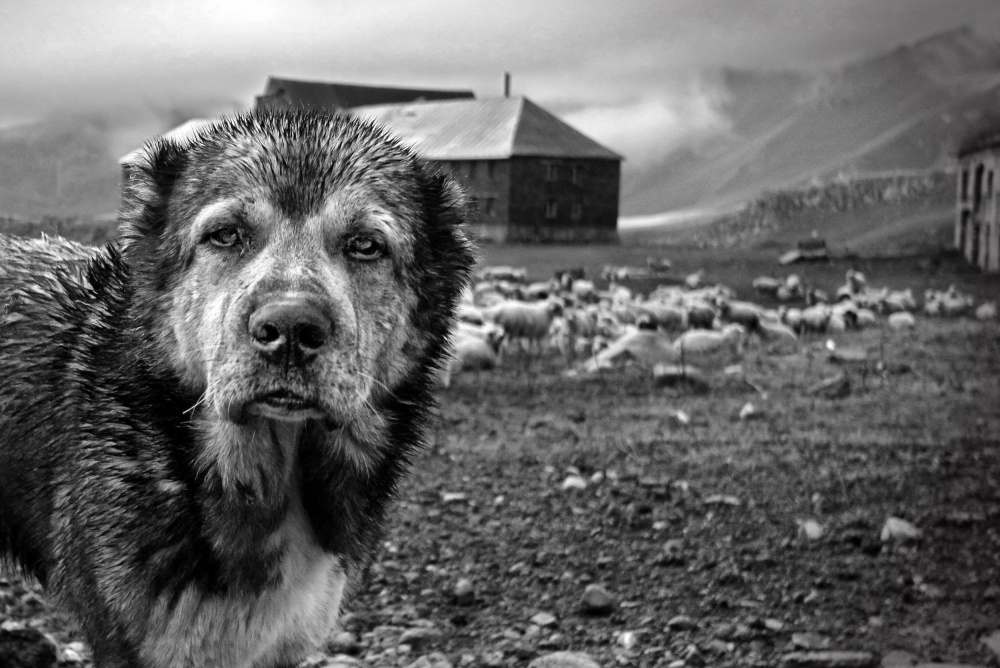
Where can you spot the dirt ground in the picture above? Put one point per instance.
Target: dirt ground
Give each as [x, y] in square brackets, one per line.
[693, 519]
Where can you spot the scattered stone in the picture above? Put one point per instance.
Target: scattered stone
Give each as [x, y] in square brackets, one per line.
[810, 641]
[544, 620]
[454, 497]
[564, 660]
[343, 642]
[628, 640]
[898, 659]
[419, 638]
[774, 625]
[25, 647]
[681, 623]
[848, 356]
[749, 412]
[992, 643]
[463, 592]
[721, 499]
[680, 418]
[433, 660]
[495, 660]
[597, 601]
[573, 482]
[720, 646]
[810, 529]
[829, 660]
[899, 531]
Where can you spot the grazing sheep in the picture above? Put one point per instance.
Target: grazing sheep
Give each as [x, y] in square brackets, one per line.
[777, 336]
[666, 317]
[584, 290]
[745, 313]
[902, 320]
[710, 348]
[473, 349]
[470, 314]
[659, 265]
[986, 311]
[767, 285]
[815, 318]
[523, 322]
[502, 273]
[865, 318]
[693, 281]
[646, 347]
[701, 315]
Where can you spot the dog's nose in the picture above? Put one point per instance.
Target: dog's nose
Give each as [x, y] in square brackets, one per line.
[290, 330]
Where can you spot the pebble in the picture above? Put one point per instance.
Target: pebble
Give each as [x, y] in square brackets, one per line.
[544, 620]
[434, 660]
[810, 529]
[463, 592]
[25, 647]
[810, 641]
[573, 482]
[992, 643]
[829, 660]
[680, 623]
[419, 638]
[564, 660]
[899, 530]
[343, 642]
[597, 601]
[628, 640]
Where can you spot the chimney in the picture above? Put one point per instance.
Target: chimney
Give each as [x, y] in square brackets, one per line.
[506, 84]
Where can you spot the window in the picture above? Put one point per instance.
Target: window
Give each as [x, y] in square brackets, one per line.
[576, 212]
[472, 169]
[488, 205]
[576, 175]
[551, 172]
[491, 169]
[551, 209]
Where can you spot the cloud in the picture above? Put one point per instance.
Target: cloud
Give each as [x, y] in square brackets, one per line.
[647, 129]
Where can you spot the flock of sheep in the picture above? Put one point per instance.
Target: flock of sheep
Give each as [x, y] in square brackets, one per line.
[684, 326]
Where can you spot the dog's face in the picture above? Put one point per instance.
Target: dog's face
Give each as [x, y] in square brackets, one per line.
[299, 266]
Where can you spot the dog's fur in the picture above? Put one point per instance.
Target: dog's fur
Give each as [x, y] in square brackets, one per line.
[198, 479]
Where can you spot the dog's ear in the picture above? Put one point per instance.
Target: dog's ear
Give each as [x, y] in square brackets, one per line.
[151, 179]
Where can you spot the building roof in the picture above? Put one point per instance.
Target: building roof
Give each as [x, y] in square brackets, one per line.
[182, 134]
[484, 129]
[982, 142]
[330, 95]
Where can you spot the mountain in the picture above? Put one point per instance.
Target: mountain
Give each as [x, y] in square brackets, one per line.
[905, 110]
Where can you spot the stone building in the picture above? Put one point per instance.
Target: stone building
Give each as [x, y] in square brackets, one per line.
[977, 216]
[532, 177]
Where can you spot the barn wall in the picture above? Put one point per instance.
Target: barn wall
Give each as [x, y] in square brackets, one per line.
[977, 215]
[549, 204]
[487, 183]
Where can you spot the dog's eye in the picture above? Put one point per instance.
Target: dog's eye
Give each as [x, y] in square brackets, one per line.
[226, 237]
[365, 247]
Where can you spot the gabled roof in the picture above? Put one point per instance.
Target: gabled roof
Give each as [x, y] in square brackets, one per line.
[182, 134]
[484, 129]
[329, 95]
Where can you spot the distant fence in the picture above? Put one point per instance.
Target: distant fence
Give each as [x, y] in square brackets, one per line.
[84, 230]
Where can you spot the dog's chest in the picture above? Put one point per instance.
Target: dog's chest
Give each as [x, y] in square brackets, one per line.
[276, 627]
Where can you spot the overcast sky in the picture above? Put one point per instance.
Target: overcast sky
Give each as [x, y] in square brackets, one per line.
[621, 71]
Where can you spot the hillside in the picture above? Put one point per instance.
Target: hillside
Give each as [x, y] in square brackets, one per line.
[905, 110]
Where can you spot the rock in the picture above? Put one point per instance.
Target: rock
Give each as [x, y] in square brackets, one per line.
[992, 643]
[674, 375]
[774, 625]
[899, 531]
[721, 499]
[597, 601]
[434, 660]
[810, 641]
[343, 642]
[628, 640]
[681, 623]
[340, 661]
[810, 529]
[25, 647]
[419, 638]
[898, 659]
[544, 620]
[749, 412]
[573, 482]
[828, 660]
[564, 660]
[463, 592]
[495, 660]
[453, 497]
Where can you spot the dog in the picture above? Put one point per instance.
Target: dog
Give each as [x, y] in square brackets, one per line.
[203, 424]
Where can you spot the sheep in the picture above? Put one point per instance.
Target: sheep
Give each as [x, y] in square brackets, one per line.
[659, 265]
[710, 347]
[865, 318]
[902, 320]
[745, 313]
[667, 317]
[472, 349]
[502, 273]
[986, 311]
[899, 300]
[583, 290]
[647, 347]
[767, 285]
[523, 322]
[815, 318]
[470, 314]
[777, 336]
[701, 315]
[693, 281]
